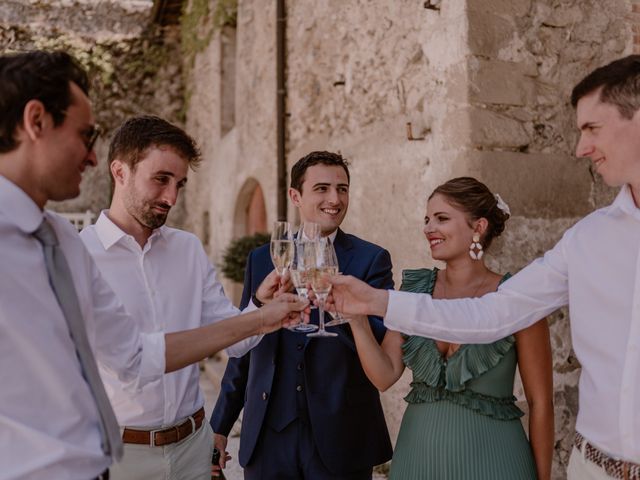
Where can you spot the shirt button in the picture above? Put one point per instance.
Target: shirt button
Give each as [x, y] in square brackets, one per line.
[299, 346]
[299, 366]
[265, 395]
[299, 388]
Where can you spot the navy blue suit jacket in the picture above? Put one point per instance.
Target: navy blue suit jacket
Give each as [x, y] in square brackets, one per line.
[343, 406]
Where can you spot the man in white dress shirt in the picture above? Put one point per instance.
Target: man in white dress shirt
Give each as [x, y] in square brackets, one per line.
[165, 281]
[55, 307]
[594, 268]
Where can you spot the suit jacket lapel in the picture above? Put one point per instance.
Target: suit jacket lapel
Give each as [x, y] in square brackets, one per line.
[344, 251]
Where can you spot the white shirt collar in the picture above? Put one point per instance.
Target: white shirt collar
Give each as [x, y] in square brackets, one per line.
[18, 207]
[624, 202]
[331, 236]
[109, 233]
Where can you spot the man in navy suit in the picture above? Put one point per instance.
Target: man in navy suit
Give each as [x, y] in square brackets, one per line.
[309, 410]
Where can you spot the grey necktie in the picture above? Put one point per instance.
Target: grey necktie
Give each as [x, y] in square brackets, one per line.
[64, 289]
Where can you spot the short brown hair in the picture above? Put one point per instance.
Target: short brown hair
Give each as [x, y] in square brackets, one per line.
[136, 135]
[476, 200]
[316, 158]
[620, 84]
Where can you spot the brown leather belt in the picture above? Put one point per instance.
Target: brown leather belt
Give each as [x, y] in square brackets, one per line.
[615, 468]
[158, 438]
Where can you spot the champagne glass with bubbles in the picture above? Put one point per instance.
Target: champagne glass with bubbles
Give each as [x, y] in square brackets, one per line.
[320, 281]
[332, 261]
[282, 247]
[304, 261]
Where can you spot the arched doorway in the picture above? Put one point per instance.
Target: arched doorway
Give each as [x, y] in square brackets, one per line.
[250, 212]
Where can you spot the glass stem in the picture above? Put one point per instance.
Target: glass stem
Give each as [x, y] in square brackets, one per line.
[321, 299]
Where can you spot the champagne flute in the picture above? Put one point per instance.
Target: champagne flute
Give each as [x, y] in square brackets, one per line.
[309, 231]
[281, 246]
[320, 282]
[332, 259]
[304, 261]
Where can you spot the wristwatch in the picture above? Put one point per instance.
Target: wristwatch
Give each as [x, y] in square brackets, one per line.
[255, 301]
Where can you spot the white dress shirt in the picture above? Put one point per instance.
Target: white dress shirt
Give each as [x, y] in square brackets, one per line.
[167, 286]
[49, 423]
[595, 268]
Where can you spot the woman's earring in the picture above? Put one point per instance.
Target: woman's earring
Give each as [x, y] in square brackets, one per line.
[475, 250]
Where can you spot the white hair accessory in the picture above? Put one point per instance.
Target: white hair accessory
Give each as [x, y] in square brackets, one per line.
[502, 205]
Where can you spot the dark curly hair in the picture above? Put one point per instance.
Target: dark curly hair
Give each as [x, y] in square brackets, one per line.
[476, 200]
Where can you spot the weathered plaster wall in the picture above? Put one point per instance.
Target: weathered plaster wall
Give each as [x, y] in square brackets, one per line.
[247, 152]
[129, 61]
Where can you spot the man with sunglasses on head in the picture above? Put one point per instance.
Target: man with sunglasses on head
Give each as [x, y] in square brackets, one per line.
[56, 311]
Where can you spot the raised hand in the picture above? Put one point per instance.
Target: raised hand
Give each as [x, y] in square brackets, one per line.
[273, 285]
[283, 311]
[355, 297]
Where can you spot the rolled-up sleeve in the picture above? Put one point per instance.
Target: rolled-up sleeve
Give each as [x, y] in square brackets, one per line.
[216, 306]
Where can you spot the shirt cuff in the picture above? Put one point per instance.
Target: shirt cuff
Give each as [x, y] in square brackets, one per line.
[401, 311]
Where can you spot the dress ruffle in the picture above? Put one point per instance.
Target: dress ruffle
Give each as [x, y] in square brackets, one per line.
[437, 378]
[499, 408]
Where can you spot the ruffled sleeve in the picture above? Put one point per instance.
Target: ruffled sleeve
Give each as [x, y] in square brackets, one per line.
[419, 280]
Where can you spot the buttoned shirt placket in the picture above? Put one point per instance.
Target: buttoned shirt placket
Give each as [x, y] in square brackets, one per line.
[629, 400]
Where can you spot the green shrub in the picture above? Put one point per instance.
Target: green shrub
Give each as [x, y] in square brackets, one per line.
[235, 256]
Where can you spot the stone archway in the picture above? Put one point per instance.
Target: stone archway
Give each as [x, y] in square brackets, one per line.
[250, 214]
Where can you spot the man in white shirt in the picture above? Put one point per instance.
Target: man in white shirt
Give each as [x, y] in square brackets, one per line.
[55, 308]
[166, 282]
[594, 268]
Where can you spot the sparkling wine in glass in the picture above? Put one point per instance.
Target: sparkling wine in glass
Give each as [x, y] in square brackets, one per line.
[282, 248]
[331, 260]
[309, 231]
[302, 266]
[320, 282]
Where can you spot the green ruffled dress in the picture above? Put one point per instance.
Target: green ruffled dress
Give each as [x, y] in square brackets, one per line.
[461, 421]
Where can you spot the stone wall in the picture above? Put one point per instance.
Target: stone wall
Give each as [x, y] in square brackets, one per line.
[242, 154]
[129, 62]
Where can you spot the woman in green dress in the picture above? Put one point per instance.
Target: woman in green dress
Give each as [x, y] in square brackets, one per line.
[461, 422]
